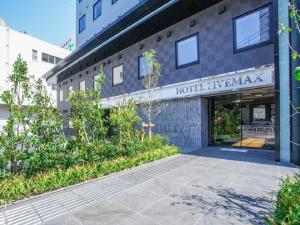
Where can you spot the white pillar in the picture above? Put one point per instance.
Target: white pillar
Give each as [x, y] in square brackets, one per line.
[284, 78]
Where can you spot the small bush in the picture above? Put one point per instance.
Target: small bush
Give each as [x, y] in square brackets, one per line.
[286, 210]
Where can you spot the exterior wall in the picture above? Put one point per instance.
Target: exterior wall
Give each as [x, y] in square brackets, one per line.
[184, 119]
[110, 12]
[14, 43]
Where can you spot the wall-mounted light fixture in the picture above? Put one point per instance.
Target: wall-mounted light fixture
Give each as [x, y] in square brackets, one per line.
[192, 23]
[169, 34]
[222, 9]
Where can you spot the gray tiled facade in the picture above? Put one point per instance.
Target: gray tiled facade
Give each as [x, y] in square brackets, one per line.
[216, 57]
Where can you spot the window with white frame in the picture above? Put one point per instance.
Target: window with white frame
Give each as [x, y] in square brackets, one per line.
[34, 55]
[82, 85]
[96, 77]
[61, 95]
[187, 51]
[70, 90]
[252, 29]
[117, 76]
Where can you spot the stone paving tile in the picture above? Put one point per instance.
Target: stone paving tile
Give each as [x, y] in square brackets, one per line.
[106, 212]
[138, 219]
[136, 198]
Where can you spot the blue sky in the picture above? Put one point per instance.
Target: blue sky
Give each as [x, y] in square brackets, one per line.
[49, 20]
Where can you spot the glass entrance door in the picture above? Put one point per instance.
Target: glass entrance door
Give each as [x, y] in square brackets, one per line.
[226, 120]
[243, 120]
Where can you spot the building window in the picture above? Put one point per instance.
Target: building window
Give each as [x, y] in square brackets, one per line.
[80, 1]
[50, 58]
[97, 9]
[187, 51]
[113, 1]
[252, 29]
[70, 123]
[82, 85]
[117, 75]
[96, 77]
[61, 95]
[70, 90]
[143, 66]
[82, 23]
[34, 55]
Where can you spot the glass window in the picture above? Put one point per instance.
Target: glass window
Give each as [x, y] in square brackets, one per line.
[96, 77]
[82, 23]
[61, 95]
[252, 29]
[113, 1]
[57, 60]
[70, 90]
[117, 75]
[187, 51]
[34, 55]
[51, 59]
[45, 57]
[97, 9]
[143, 66]
[82, 85]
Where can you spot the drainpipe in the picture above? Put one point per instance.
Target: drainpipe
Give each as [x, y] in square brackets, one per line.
[295, 97]
[282, 83]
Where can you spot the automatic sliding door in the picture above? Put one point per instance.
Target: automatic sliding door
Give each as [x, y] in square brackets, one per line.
[243, 120]
[226, 121]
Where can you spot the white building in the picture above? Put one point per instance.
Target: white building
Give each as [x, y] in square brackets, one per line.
[92, 16]
[39, 55]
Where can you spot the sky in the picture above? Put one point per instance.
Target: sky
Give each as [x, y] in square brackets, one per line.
[49, 20]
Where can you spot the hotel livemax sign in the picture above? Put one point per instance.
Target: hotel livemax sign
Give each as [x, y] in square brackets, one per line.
[224, 83]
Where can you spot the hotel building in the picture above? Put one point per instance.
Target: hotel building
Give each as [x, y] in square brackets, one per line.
[225, 72]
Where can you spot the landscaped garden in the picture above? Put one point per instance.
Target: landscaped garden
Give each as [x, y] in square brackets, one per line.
[38, 157]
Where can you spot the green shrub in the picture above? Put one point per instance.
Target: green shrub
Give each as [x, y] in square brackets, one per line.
[18, 187]
[286, 210]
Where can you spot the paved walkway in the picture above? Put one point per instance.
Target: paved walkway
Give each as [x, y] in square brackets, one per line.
[206, 187]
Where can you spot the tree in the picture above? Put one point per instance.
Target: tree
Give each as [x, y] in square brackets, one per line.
[14, 136]
[33, 137]
[151, 107]
[87, 114]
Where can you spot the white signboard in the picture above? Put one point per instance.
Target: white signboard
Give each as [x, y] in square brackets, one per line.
[230, 82]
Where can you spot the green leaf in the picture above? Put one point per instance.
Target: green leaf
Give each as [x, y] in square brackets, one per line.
[297, 73]
[294, 55]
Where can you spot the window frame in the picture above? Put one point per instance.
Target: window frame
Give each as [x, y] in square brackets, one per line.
[112, 77]
[61, 95]
[114, 1]
[139, 66]
[94, 80]
[81, 30]
[260, 44]
[79, 87]
[197, 61]
[99, 1]
[34, 57]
